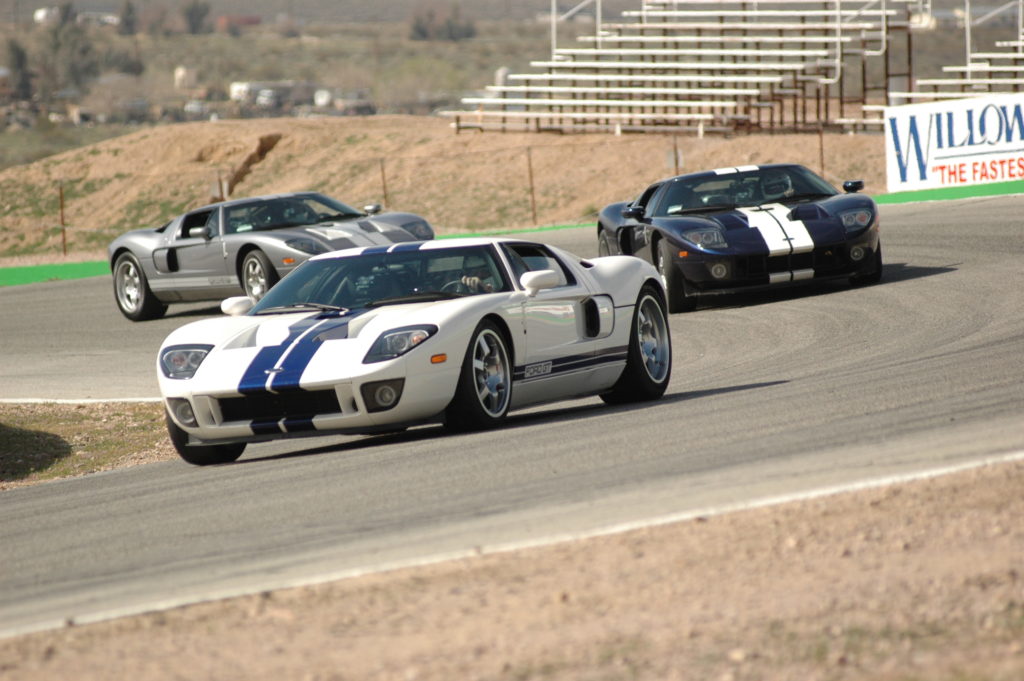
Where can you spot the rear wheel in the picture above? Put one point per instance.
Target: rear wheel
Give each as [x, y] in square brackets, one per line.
[484, 392]
[649, 361]
[131, 290]
[201, 455]
[672, 278]
[258, 275]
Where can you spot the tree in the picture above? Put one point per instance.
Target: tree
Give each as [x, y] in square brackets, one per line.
[129, 19]
[68, 59]
[428, 25]
[21, 76]
[195, 13]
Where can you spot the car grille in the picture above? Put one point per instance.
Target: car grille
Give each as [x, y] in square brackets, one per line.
[276, 406]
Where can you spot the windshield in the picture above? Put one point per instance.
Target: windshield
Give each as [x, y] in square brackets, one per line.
[707, 192]
[378, 277]
[286, 211]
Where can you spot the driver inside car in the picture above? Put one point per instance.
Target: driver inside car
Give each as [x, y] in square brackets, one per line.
[478, 277]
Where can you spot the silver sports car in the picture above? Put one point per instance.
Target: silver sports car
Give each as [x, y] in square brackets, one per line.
[242, 246]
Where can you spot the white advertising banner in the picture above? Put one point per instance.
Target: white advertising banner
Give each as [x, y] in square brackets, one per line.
[954, 143]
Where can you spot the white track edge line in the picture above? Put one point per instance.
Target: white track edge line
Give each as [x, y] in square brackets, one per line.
[88, 400]
[478, 551]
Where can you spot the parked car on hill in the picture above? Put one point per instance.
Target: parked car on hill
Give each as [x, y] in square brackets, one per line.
[242, 246]
[735, 229]
[371, 339]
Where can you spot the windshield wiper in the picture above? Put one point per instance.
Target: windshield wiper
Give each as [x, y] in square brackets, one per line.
[797, 197]
[684, 211]
[305, 306]
[419, 297]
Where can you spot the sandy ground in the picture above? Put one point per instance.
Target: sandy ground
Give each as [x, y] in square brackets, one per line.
[921, 580]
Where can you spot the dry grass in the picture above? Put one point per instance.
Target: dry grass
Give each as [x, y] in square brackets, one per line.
[41, 442]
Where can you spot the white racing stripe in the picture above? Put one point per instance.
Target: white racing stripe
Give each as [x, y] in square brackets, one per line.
[737, 169]
[782, 235]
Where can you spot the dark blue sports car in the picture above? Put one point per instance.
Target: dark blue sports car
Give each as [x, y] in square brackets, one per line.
[744, 228]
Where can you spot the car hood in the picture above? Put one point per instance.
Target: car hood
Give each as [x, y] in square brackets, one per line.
[354, 233]
[282, 351]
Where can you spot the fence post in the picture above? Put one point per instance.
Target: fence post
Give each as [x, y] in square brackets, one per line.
[821, 148]
[384, 182]
[529, 173]
[63, 225]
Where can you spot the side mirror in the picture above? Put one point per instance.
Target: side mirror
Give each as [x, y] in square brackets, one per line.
[372, 209]
[199, 233]
[539, 280]
[236, 306]
[852, 186]
[633, 212]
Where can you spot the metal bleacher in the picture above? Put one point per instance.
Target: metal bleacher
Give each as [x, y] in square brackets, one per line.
[983, 73]
[702, 66]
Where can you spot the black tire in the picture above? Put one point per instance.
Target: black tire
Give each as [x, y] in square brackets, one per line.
[484, 393]
[258, 275]
[649, 361]
[603, 247]
[672, 278]
[132, 294]
[872, 277]
[201, 455]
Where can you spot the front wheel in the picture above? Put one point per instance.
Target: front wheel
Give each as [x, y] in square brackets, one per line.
[603, 247]
[484, 392]
[649, 360]
[134, 298]
[672, 278]
[258, 275]
[201, 455]
[872, 277]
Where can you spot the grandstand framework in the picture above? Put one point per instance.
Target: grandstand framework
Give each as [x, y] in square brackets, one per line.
[727, 66]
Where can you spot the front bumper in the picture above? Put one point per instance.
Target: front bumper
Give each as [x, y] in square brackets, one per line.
[328, 407]
[708, 273]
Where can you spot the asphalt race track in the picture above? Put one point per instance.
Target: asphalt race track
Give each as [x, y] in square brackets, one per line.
[771, 395]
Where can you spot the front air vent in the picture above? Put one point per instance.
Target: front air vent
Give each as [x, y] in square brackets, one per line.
[276, 406]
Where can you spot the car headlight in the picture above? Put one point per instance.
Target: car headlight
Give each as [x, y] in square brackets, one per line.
[706, 237]
[182, 361]
[856, 220]
[397, 342]
[305, 245]
[419, 229]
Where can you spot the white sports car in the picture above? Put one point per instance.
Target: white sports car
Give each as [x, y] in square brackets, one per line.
[375, 339]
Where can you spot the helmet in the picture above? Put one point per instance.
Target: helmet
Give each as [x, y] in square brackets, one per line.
[776, 184]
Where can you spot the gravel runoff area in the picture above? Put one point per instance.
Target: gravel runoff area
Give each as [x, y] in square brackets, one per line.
[919, 580]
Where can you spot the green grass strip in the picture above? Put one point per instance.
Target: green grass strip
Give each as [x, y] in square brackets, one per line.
[522, 230]
[31, 274]
[948, 193]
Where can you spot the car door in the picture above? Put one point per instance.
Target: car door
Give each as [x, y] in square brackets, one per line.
[200, 256]
[558, 354]
[634, 236]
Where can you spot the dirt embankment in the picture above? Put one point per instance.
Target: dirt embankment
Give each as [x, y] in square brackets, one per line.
[922, 580]
[465, 182]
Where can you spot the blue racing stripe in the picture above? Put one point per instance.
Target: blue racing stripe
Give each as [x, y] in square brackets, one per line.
[265, 428]
[256, 374]
[302, 351]
[572, 363]
[298, 425]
